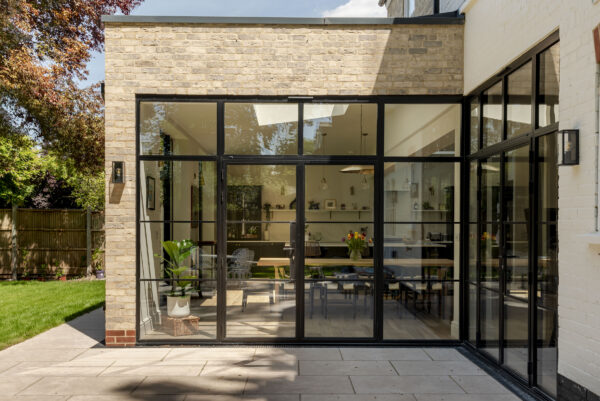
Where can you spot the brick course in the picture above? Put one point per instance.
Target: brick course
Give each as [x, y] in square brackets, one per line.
[260, 60]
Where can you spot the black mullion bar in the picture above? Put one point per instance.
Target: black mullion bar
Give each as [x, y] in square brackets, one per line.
[533, 258]
[221, 228]
[478, 260]
[176, 158]
[502, 257]
[422, 159]
[137, 218]
[436, 6]
[379, 220]
[464, 222]
[300, 128]
[299, 251]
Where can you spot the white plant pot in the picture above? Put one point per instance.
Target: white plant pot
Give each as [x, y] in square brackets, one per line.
[178, 306]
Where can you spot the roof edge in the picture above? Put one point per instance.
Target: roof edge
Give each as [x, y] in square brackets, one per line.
[442, 19]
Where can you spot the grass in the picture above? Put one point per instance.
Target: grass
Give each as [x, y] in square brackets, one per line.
[28, 308]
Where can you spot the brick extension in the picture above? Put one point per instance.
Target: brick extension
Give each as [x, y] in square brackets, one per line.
[120, 338]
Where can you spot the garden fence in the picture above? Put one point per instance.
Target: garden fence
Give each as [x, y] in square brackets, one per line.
[51, 239]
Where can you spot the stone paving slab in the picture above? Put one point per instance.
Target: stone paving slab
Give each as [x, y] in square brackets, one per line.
[69, 363]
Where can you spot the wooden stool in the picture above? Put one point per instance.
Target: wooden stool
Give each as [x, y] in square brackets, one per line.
[182, 326]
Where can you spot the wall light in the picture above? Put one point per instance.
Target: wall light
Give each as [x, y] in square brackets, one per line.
[569, 147]
[118, 172]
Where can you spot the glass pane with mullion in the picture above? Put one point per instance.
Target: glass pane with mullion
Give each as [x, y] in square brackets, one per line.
[473, 245]
[339, 192]
[475, 112]
[489, 242]
[516, 335]
[518, 107]
[549, 82]
[547, 352]
[492, 115]
[178, 128]
[258, 194]
[473, 205]
[421, 251]
[490, 190]
[517, 261]
[178, 190]
[339, 279]
[490, 322]
[196, 240]
[261, 128]
[420, 310]
[422, 130]
[548, 178]
[472, 322]
[340, 129]
[177, 310]
[260, 289]
[516, 185]
[421, 192]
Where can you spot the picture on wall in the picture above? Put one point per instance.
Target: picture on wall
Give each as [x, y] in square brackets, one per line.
[150, 193]
[330, 204]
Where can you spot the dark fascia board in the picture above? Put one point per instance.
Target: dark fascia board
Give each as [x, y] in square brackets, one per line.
[440, 19]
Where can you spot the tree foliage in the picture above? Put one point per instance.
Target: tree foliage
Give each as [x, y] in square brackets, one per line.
[19, 162]
[44, 48]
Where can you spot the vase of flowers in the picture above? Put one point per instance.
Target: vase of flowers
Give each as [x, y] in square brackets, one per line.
[356, 244]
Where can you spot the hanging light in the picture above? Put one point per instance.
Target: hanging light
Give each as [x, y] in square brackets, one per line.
[364, 183]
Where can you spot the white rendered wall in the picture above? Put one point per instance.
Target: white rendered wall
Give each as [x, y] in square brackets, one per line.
[496, 33]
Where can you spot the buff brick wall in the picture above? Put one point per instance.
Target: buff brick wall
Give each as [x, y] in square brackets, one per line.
[260, 60]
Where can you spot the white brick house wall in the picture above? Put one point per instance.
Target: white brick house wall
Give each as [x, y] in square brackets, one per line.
[496, 33]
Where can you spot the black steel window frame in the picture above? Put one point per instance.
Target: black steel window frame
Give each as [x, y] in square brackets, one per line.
[300, 160]
[500, 149]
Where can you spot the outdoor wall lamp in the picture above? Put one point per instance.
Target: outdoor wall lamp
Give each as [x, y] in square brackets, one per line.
[569, 147]
[118, 172]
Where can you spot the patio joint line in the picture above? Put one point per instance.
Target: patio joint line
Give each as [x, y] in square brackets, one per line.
[138, 385]
[245, 385]
[458, 384]
[393, 367]
[351, 384]
[427, 353]
[29, 385]
[202, 370]
[106, 368]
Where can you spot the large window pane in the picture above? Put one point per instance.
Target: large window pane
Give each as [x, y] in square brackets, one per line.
[421, 192]
[490, 320]
[516, 185]
[492, 115]
[472, 323]
[547, 352]
[420, 310]
[473, 206]
[549, 82]
[261, 129]
[489, 243]
[490, 189]
[475, 112]
[548, 178]
[158, 282]
[516, 329]
[473, 245]
[422, 129]
[421, 251]
[338, 289]
[340, 129]
[518, 107]
[517, 260]
[178, 191]
[170, 128]
[261, 293]
[339, 193]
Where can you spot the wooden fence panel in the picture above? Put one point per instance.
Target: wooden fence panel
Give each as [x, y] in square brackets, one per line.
[48, 240]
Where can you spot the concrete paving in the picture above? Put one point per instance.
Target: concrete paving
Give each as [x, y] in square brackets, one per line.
[70, 363]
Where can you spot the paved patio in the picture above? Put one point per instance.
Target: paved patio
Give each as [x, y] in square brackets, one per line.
[69, 363]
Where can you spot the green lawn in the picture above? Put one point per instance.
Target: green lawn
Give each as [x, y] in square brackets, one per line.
[28, 308]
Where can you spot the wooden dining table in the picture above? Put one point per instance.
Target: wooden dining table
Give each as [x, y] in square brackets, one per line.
[367, 262]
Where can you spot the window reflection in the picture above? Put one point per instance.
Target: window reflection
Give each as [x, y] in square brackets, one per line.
[261, 129]
[518, 107]
[549, 81]
[492, 115]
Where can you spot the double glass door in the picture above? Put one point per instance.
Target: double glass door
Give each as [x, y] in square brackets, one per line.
[289, 271]
[517, 276]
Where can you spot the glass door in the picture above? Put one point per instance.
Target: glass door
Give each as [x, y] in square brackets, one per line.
[339, 264]
[260, 265]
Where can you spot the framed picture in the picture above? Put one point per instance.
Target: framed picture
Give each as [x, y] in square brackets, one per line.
[330, 204]
[150, 193]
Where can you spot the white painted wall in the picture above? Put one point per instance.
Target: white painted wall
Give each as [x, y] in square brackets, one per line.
[496, 33]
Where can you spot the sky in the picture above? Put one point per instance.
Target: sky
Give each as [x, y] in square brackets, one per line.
[246, 8]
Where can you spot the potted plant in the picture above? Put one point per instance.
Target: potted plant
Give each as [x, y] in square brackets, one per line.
[59, 275]
[356, 244]
[99, 272]
[178, 303]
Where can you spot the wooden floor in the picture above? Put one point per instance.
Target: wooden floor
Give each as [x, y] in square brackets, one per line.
[262, 319]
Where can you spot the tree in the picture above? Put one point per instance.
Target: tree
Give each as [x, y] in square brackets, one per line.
[19, 163]
[44, 48]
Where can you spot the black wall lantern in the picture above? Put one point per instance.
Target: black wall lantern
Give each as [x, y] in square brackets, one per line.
[569, 147]
[118, 172]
